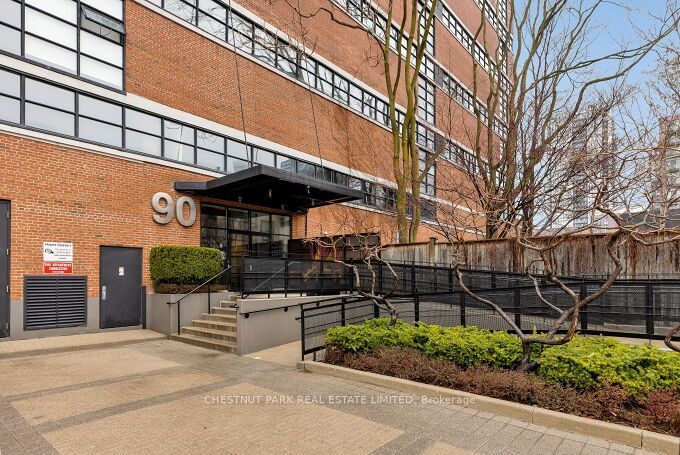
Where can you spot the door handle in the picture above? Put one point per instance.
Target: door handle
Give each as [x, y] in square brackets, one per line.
[103, 292]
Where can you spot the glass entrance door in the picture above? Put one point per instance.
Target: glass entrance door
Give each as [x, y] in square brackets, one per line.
[240, 232]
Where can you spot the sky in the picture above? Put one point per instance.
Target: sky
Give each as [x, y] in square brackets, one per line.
[617, 21]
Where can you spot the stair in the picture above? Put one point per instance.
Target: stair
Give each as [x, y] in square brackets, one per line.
[215, 330]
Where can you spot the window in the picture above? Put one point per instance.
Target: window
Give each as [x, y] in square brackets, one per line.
[143, 132]
[179, 142]
[426, 100]
[87, 42]
[100, 121]
[212, 18]
[50, 108]
[238, 156]
[325, 80]
[10, 97]
[264, 157]
[53, 108]
[427, 186]
[265, 46]
[240, 33]
[210, 150]
[101, 48]
[429, 40]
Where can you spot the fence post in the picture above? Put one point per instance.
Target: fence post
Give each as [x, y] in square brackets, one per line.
[376, 310]
[462, 308]
[321, 277]
[649, 308]
[343, 316]
[493, 279]
[584, 311]
[416, 308]
[302, 331]
[285, 277]
[517, 305]
[450, 281]
[413, 278]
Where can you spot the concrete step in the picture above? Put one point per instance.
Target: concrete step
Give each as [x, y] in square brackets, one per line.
[219, 317]
[226, 311]
[211, 334]
[217, 345]
[215, 325]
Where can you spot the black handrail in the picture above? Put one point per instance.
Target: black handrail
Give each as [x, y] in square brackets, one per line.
[286, 264]
[179, 323]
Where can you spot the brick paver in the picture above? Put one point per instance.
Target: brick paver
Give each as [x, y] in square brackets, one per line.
[168, 397]
[36, 345]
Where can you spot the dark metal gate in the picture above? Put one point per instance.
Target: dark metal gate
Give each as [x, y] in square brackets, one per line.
[4, 268]
[120, 297]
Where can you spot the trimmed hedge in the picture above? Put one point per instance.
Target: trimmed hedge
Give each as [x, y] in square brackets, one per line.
[583, 363]
[592, 362]
[184, 264]
[464, 346]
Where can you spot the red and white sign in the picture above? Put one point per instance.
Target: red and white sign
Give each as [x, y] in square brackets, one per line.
[58, 268]
[57, 258]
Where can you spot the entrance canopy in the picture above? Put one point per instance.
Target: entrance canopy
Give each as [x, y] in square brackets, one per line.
[272, 188]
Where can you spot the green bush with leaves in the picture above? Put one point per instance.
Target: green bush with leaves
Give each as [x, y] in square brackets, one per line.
[583, 363]
[184, 264]
[464, 346]
[595, 362]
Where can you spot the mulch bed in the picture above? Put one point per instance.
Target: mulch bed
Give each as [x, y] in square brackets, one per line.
[659, 411]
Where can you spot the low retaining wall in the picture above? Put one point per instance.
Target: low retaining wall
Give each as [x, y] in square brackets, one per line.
[162, 317]
[258, 330]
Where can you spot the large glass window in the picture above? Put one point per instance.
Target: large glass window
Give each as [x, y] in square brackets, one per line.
[244, 232]
[143, 132]
[426, 103]
[10, 94]
[84, 37]
[50, 108]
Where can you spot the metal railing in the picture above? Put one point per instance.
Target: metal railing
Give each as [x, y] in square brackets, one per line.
[272, 275]
[630, 308]
[179, 301]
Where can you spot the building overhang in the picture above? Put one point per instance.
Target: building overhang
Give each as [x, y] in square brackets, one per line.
[269, 187]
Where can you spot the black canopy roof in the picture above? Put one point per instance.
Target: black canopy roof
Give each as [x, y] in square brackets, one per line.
[273, 188]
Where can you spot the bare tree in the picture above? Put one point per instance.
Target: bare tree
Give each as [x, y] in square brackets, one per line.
[399, 36]
[369, 255]
[555, 71]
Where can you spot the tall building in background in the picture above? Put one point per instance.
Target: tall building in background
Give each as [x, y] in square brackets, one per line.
[588, 144]
[128, 124]
[669, 148]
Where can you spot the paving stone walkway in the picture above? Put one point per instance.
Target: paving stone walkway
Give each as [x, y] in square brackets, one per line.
[162, 397]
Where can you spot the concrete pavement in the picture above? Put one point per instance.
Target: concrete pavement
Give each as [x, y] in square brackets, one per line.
[167, 397]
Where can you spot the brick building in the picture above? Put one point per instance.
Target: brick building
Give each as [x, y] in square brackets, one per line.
[120, 118]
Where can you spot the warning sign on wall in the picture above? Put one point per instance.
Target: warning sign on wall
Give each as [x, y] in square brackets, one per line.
[58, 268]
[57, 258]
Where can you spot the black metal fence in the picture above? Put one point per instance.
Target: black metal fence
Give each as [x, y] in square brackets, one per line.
[636, 309]
[272, 275]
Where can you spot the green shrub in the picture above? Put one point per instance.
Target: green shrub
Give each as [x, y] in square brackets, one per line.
[470, 346]
[596, 362]
[464, 346]
[182, 265]
[583, 363]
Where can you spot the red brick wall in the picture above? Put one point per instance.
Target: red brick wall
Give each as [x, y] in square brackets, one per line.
[61, 194]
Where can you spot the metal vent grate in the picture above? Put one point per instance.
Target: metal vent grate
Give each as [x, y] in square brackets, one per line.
[54, 301]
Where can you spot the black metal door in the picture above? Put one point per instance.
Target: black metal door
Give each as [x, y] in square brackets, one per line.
[120, 292]
[4, 269]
